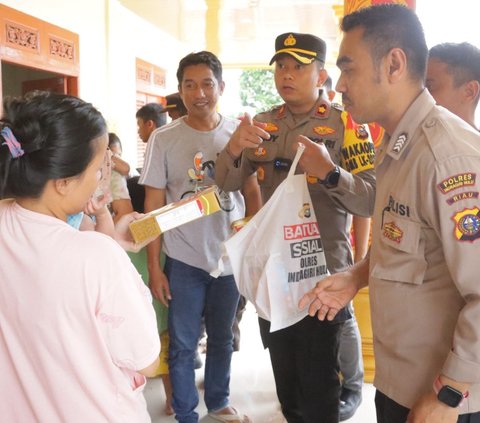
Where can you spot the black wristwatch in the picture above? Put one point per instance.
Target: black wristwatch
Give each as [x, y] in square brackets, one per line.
[332, 177]
[448, 395]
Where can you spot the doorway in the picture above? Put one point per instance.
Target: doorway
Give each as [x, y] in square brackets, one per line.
[17, 80]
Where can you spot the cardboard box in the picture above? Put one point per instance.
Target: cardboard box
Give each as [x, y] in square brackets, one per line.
[156, 222]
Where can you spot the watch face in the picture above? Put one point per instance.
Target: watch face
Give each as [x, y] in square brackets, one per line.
[450, 396]
[334, 177]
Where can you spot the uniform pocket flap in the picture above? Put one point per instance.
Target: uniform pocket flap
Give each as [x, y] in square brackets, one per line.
[399, 255]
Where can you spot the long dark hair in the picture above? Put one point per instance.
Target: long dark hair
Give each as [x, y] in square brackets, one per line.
[57, 134]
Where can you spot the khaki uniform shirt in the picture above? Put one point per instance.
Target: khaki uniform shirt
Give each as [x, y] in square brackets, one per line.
[349, 146]
[425, 257]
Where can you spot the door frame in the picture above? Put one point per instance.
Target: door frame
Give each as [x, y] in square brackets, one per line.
[28, 41]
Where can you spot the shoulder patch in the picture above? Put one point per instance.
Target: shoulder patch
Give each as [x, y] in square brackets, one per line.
[467, 224]
[466, 179]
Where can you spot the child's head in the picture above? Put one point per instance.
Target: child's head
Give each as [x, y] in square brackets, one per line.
[46, 136]
[114, 144]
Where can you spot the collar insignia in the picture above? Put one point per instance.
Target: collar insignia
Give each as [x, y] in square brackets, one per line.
[321, 110]
[281, 111]
[400, 142]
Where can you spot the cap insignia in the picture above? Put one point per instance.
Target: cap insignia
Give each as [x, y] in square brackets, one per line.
[290, 41]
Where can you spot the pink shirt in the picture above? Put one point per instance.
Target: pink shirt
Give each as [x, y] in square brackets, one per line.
[76, 321]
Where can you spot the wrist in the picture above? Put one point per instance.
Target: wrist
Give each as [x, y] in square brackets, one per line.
[331, 178]
[231, 152]
[449, 395]
[102, 212]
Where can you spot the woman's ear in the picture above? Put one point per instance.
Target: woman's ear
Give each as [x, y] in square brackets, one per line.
[62, 186]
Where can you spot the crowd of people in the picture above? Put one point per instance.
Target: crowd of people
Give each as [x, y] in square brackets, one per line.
[106, 313]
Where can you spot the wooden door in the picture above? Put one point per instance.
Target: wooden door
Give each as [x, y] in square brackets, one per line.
[56, 85]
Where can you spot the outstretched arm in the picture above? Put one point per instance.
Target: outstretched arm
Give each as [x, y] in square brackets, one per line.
[334, 292]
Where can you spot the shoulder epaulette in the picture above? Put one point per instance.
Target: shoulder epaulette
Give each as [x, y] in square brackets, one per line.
[274, 109]
[337, 106]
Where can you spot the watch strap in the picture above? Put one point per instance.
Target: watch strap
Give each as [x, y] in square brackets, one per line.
[331, 178]
[438, 385]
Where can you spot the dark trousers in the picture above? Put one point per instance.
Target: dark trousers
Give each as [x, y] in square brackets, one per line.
[305, 367]
[388, 411]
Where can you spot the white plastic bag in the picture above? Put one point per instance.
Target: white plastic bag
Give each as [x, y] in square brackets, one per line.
[278, 255]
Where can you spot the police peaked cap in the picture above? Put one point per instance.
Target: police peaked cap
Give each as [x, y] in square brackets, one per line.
[304, 48]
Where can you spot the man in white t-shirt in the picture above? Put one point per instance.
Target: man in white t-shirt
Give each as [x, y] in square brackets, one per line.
[180, 161]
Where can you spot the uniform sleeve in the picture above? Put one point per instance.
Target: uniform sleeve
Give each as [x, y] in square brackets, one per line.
[456, 219]
[356, 187]
[125, 314]
[154, 172]
[230, 173]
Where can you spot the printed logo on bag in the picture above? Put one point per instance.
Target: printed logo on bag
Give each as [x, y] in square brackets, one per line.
[304, 230]
[305, 211]
[457, 181]
[392, 232]
[271, 127]
[462, 196]
[303, 248]
[467, 224]
[323, 130]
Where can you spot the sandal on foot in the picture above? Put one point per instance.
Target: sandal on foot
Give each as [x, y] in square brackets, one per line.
[228, 418]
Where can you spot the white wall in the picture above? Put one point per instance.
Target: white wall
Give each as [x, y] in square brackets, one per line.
[131, 37]
[111, 37]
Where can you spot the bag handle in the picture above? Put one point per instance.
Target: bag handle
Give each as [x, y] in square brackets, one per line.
[293, 167]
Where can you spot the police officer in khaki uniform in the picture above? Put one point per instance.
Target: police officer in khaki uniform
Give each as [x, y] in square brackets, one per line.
[423, 269]
[304, 356]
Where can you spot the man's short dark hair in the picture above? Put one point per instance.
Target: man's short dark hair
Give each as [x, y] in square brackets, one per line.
[391, 26]
[462, 60]
[154, 112]
[200, 58]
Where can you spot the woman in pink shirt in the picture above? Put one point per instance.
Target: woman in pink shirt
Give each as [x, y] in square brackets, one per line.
[78, 332]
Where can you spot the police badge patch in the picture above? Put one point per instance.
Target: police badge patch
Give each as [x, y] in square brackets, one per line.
[467, 224]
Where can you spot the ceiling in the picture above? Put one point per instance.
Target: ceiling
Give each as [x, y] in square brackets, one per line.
[241, 32]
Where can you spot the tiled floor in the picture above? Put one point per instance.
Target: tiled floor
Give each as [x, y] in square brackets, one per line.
[252, 386]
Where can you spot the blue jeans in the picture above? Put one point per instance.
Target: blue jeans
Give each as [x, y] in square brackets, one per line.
[196, 293]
